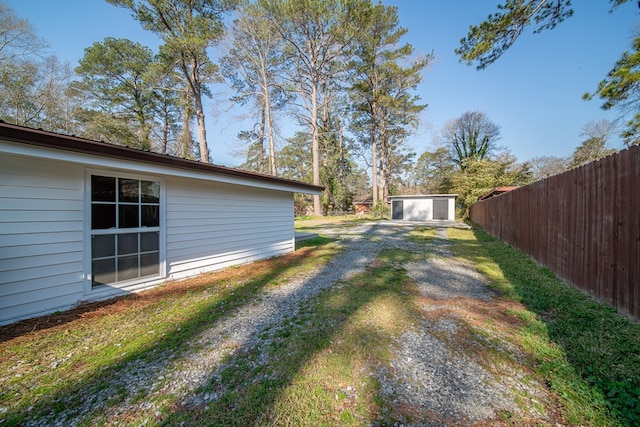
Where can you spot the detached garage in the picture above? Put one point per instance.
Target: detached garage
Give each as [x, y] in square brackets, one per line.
[82, 220]
[429, 207]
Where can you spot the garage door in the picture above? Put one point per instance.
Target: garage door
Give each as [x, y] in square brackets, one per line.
[397, 208]
[440, 209]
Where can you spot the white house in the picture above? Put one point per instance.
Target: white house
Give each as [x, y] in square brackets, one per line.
[82, 220]
[426, 207]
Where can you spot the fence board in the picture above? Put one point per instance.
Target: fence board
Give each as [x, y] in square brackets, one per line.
[625, 246]
[633, 227]
[583, 224]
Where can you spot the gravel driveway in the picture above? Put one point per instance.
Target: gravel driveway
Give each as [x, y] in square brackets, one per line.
[430, 374]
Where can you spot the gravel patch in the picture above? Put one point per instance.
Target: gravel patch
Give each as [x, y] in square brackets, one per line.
[241, 331]
[438, 383]
[445, 278]
[430, 379]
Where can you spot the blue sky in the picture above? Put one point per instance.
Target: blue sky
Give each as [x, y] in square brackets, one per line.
[534, 92]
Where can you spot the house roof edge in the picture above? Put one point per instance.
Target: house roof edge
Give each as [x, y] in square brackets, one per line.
[72, 143]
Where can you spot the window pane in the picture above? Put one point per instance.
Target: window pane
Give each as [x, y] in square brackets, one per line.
[150, 215]
[103, 246]
[128, 217]
[127, 267]
[128, 190]
[103, 189]
[150, 191]
[149, 242]
[103, 272]
[103, 216]
[149, 264]
[119, 203]
[127, 243]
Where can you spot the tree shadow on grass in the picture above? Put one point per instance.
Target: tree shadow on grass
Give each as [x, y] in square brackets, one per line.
[97, 395]
[602, 346]
[113, 305]
[320, 225]
[253, 387]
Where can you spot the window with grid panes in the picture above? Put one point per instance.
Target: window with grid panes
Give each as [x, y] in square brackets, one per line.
[125, 229]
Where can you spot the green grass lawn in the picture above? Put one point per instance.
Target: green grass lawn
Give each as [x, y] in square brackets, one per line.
[586, 351]
[316, 369]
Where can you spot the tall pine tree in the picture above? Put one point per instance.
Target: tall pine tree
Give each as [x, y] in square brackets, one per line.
[384, 109]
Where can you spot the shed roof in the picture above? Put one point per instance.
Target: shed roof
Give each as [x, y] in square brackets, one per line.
[422, 196]
[72, 143]
[497, 191]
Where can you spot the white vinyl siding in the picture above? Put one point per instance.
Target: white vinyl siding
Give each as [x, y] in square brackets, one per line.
[213, 225]
[45, 226]
[41, 236]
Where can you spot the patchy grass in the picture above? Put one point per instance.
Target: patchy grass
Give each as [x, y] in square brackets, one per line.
[74, 351]
[318, 360]
[315, 367]
[589, 354]
[317, 224]
[314, 241]
[424, 235]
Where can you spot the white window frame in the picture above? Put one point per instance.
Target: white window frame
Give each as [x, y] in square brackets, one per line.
[132, 284]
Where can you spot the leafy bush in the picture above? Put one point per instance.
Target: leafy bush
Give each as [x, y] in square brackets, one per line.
[381, 210]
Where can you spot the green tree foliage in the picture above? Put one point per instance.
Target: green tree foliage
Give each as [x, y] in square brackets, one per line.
[253, 64]
[433, 171]
[294, 162]
[621, 90]
[254, 152]
[477, 177]
[317, 34]
[375, 50]
[471, 136]
[590, 150]
[187, 28]
[294, 159]
[385, 111]
[36, 90]
[338, 168]
[115, 75]
[469, 163]
[595, 146]
[485, 43]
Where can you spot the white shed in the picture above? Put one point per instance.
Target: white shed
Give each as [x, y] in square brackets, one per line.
[82, 220]
[428, 207]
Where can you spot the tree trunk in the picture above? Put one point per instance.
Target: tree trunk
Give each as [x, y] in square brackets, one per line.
[202, 131]
[315, 151]
[186, 124]
[374, 170]
[272, 146]
[374, 153]
[190, 70]
[165, 129]
[261, 139]
[382, 161]
[387, 175]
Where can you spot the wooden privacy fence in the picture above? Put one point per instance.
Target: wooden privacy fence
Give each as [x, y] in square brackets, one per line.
[583, 224]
